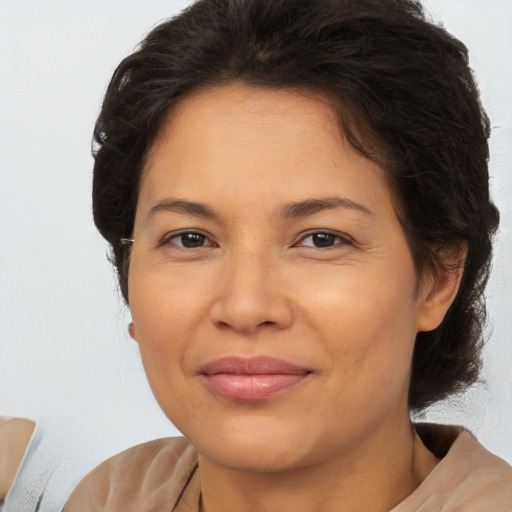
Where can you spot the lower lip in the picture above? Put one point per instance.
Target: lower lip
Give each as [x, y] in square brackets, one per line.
[252, 388]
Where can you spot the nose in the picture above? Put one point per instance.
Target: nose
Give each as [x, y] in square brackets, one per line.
[251, 296]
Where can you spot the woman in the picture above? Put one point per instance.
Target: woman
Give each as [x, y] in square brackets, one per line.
[296, 196]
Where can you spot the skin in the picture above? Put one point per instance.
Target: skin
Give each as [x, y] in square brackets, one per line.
[257, 285]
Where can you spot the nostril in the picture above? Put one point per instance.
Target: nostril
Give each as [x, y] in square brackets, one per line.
[245, 311]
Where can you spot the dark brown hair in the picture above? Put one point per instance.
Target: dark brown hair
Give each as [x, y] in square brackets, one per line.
[406, 98]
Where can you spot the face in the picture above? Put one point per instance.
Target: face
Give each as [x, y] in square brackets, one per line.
[273, 294]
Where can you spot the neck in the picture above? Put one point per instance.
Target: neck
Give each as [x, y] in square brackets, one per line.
[373, 476]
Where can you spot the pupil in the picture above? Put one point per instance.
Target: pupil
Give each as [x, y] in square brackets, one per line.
[192, 240]
[323, 239]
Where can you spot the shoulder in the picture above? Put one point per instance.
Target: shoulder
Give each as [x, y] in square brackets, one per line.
[467, 479]
[137, 479]
[485, 480]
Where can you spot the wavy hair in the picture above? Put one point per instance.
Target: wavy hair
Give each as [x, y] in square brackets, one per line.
[406, 98]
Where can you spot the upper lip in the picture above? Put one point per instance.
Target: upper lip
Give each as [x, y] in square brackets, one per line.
[260, 365]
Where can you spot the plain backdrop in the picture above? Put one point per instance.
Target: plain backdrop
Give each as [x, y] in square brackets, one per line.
[65, 357]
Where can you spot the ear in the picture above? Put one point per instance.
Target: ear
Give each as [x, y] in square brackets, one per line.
[131, 331]
[439, 290]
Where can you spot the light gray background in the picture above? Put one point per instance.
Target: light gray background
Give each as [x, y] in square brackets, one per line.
[65, 357]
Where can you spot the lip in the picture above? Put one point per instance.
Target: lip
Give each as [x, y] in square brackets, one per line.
[251, 379]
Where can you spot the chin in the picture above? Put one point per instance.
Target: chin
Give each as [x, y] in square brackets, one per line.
[260, 448]
[254, 457]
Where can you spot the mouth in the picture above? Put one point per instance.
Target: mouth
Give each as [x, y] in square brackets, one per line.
[251, 379]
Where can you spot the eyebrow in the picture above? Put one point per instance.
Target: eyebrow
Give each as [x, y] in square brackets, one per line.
[312, 206]
[180, 205]
[294, 209]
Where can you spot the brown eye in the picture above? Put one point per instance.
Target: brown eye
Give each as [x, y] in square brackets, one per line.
[188, 240]
[322, 239]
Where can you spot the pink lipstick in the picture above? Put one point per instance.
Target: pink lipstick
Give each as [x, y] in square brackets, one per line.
[251, 379]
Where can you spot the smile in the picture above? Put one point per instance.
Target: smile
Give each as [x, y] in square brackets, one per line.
[253, 379]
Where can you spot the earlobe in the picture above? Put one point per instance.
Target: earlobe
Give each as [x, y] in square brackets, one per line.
[131, 331]
[438, 295]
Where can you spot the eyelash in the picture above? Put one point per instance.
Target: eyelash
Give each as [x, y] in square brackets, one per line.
[341, 240]
[167, 240]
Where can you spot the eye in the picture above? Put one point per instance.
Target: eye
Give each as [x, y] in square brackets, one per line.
[322, 239]
[188, 240]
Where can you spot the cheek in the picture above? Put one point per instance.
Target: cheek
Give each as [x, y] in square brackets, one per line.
[164, 321]
[165, 313]
[368, 331]
[163, 302]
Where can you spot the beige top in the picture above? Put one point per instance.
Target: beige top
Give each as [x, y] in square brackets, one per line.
[162, 476]
[15, 435]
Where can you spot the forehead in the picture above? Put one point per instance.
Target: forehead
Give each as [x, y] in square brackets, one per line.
[244, 138]
[207, 113]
